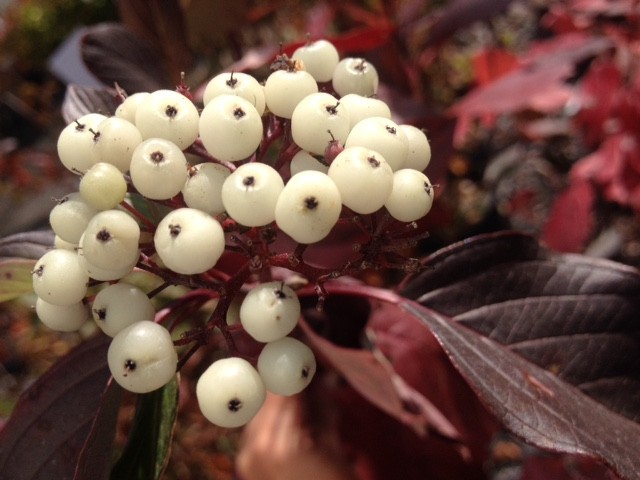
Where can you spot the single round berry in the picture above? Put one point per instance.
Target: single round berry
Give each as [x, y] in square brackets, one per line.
[230, 128]
[230, 392]
[319, 58]
[203, 188]
[308, 207]
[127, 109]
[419, 154]
[382, 135]
[411, 197]
[235, 83]
[119, 305]
[77, 143]
[70, 217]
[189, 241]
[103, 186]
[58, 278]
[270, 311]
[111, 240]
[158, 169]
[170, 115]
[284, 89]
[250, 194]
[318, 119]
[363, 177]
[355, 75]
[62, 318]
[142, 358]
[286, 366]
[118, 139]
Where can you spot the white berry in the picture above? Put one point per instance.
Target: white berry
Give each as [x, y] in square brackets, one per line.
[270, 311]
[230, 392]
[158, 169]
[203, 188]
[235, 83]
[355, 75]
[382, 135]
[58, 278]
[411, 197]
[363, 177]
[286, 366]
[119, 305]
[189, 241]
[62, 318]
[250, 194]
[230, 128]
[103, 186]
[319, 58]
[318, 119]
[284, 89]
[142, 358]
[308, 207]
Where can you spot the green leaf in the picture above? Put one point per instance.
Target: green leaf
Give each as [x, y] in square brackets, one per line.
[146, 454]
[15, 278]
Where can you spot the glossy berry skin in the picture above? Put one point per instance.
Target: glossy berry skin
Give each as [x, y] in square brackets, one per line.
[318, 119]
[158, 169]
[382, 135]
[230, 128]
[203, 188]
[250, 194]
[170, 115]
[319, 58]
[62, 318]
[189, 241]
[59, 279]
[411, 197]
[111, 240]
[235, 83]
[355, 75]
[286, 366]
[142, 358]
[119, 305]
[70, 217]
[363, 177]
[284, 89]
[270, 311]
[230, 392]
[308, 207]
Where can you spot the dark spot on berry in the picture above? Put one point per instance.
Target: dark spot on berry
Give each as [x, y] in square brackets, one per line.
[391, 129]
[129, 366]
[96, 135]
[373, 161]
[174, 230]
[157, 157]
[249, 181]
[311, 203]
[38, 271]
[279, 293]
[428, 188]
[171, 111]
[238, 113]
[234, 405]
[8, 275]
[103, 235]
[361, 66]
[232, 81]
[79, 126]
[305, 372]
[101, 313]
[332, 110]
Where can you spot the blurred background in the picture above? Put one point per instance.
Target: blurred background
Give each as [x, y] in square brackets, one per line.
[531, 106]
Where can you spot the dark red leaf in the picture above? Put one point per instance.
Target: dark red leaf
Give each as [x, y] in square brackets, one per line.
[79, 101]
[48, 427]
[115, 54]
[160, 23]
[570, 223]
[532, 402]
[373, 377]
[96, 457]
[573, 315]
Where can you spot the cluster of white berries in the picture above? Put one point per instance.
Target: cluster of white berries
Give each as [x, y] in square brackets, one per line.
[348, 155]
